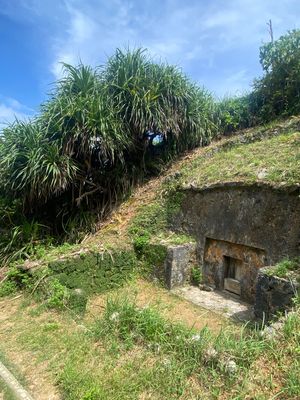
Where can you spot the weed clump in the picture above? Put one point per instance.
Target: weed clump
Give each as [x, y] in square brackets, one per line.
[196, 276]
[285, 268]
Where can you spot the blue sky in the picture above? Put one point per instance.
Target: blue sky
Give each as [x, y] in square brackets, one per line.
[215, 42]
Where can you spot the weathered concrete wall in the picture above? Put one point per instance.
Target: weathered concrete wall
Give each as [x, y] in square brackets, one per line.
[169, 263]
[257, 216]
[273, 294]
[177, 266]
[249, 259]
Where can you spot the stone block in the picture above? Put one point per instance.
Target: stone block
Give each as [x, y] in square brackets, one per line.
[178, 264]
[273, 294]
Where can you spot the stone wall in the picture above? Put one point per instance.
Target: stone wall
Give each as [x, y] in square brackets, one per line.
[254, 215]
[170, 264]
[178, 264]
[254, 224]
[248, 261]
[273, 294]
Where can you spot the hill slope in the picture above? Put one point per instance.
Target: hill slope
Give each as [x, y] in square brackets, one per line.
[136, 340]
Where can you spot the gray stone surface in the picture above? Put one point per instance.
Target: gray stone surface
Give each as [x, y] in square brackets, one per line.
[219, 302]
[273, 295]
[254, 215]
[178, 264]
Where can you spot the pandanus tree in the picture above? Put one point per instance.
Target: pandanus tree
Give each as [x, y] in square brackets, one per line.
[86, 148]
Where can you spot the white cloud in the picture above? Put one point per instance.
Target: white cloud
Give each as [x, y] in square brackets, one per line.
[81, 31]
[234, 83]
[91, 36]
[196, 34]
[10, 109]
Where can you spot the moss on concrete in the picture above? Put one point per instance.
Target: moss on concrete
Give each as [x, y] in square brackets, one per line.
[95, 272]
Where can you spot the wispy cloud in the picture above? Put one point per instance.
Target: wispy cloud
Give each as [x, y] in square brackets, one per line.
[213, 41]
[10, 109]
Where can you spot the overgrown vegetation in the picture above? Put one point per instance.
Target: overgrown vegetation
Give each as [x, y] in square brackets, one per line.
[286, 268]
[275, 161]
[88, 147]
[65, 170]
[137, 352]
[275, 94]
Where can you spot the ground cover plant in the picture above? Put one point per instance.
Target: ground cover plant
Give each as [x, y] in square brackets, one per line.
[287, 268]
[125, 349]
[275, 161]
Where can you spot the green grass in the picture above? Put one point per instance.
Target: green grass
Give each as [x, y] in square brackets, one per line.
[6, 392]
[128, 352]
[4, 389]
[275, 160]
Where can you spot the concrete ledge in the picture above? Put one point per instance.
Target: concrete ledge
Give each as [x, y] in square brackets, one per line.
[19, 392]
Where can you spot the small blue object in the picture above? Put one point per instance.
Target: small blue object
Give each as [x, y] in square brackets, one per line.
[157, 140]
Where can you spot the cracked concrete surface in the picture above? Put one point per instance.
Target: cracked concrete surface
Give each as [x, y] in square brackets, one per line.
[219, 302]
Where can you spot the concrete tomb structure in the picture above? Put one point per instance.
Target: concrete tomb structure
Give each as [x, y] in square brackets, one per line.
[232, 267]
[240, 228]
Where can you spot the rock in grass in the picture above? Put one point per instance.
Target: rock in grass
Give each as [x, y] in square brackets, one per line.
[210, 354]
[230, 367]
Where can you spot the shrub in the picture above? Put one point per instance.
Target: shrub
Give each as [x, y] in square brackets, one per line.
[278, 89]
[7, 288]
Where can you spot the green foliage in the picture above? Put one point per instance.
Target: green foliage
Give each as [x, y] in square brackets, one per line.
[95, 272]
[278, 89]
[234, 114]
[93, 394]
[16, 279]
[8, 288]
[86, 149]
[140, 242]
[275, 94]
[284, 267]
[57, 295]
[196, 275]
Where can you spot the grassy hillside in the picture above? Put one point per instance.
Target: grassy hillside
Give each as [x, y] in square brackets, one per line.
[275, 161]
[136, 340]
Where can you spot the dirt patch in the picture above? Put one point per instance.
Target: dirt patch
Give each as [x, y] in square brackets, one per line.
[39, 382]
